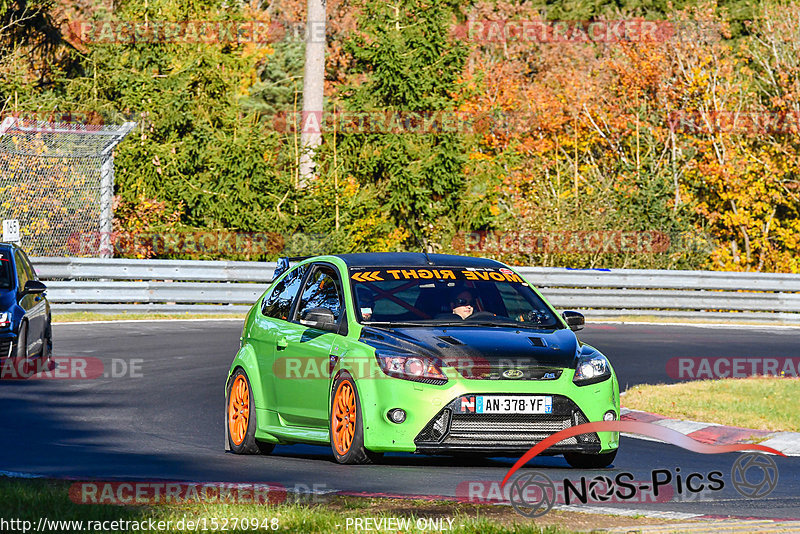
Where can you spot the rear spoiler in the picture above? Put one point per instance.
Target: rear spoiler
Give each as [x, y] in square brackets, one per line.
[283, 264]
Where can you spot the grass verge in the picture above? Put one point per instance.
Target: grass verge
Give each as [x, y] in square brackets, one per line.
[73, 317]
[760, 403]
[33, 499]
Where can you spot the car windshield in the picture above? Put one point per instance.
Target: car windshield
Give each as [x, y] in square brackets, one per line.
[5, 269]
[447, 296]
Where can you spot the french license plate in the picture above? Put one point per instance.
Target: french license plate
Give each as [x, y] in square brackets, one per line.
[513, 404]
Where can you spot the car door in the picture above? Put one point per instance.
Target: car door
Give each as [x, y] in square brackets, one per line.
[32, 304]
[276, 308]
[41, 307]
[303, 385]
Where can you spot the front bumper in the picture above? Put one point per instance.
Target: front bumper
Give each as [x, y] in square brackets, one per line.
[453, 430]
[7, 345]
[425, 403]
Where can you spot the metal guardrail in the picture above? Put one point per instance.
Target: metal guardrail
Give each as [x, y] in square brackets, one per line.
[90, 284]
[123, 269]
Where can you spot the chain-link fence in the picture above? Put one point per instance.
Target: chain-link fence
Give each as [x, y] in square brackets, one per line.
[58, 180]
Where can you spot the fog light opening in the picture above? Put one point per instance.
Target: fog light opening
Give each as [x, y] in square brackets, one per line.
[397, 415]
[610, 416]
[440, 426]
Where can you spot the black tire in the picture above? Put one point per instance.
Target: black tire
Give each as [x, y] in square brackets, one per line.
[247, 443]
[469, 458]
[45, 361]
[22, 365]
[20, 351]
[355, 453]
[581, 460]
[47, 341]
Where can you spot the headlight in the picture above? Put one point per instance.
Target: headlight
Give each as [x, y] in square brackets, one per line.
[591, 368]
[5, 319]
[411, 367]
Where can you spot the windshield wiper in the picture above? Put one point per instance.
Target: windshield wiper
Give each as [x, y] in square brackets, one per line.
[490, 323]
[511, 323]
[507, 324]
[397, 323]
[411, 323]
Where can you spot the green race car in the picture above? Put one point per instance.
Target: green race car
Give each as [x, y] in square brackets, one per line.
[434, 354]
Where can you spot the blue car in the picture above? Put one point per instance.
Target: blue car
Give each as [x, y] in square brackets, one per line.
[25, 333]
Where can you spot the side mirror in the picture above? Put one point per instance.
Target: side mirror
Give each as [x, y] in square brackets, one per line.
[33, 287]
[574, 320]
[321, 318]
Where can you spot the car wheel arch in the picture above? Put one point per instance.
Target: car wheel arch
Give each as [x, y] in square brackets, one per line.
[247, 361]
[334, 377]
[24, 322]
[17, 317]
[339, 371]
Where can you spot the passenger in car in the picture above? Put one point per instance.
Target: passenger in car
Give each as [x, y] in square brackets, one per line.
[366, 302]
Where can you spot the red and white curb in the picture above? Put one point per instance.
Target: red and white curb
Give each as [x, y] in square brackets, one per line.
[718, 526]
[786, 442]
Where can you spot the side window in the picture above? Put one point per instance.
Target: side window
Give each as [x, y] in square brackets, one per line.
[279, 303]
[26, 264]
[6, 276]
[322, 290]
[22, 273]
[520, 308]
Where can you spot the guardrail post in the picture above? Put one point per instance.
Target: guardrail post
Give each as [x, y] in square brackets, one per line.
[107, 192]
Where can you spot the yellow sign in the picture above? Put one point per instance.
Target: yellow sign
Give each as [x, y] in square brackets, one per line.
[367, 276]
[504, 275]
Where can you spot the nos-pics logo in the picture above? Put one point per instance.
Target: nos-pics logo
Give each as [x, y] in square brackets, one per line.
[533, 493]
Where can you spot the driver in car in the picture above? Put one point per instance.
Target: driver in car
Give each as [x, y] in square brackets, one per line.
[462, 304]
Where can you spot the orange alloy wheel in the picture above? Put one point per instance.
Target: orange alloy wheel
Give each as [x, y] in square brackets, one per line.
[239, 410]
[344, 417]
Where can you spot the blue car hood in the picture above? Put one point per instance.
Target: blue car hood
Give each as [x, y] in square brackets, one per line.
[480, 349]
[8, 299]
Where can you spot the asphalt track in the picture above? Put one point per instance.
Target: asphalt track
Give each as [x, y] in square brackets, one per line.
[166, 421]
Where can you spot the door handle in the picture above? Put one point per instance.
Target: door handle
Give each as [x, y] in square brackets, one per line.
[282, 343]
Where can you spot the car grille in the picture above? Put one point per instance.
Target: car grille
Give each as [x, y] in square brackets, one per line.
[501, 373]
[505, 429]
[496, 431]
[5, 347]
